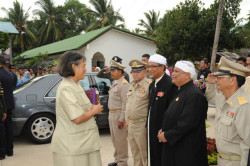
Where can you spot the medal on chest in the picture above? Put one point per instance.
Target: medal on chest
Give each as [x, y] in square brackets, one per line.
[230, 114]
[116, 90]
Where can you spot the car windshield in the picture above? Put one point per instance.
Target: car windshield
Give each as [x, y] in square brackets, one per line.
[27, 84]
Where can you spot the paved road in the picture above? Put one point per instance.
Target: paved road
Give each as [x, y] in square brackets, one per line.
[29, 154]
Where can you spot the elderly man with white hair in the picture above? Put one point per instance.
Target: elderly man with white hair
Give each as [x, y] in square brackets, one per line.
[160, 92]
[183, 132]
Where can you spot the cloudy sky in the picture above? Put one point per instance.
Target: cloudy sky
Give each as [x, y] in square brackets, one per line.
[131, 10]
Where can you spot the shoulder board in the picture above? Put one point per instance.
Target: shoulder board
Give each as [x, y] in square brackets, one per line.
[124, 81]
[149, 81]
[242, 100]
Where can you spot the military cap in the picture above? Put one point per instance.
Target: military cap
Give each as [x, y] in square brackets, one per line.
[137, 65]
[227, 67]
[115, 65]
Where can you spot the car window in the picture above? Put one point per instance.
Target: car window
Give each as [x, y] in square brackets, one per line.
[85, 83]
[27, 84]
[52, 92]
[103, 85]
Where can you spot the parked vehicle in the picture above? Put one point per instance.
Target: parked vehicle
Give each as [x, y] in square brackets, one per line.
[35, 100]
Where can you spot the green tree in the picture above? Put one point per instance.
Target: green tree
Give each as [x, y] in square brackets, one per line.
[104, 15]
[76, 17]
[151, 23]
[25, 39]
[51, 19]
[187, 31]
[4, 42]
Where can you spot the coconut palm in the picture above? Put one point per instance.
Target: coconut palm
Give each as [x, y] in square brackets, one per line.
[151, 23]
[104, 14]
[25, 39]
[52, 21]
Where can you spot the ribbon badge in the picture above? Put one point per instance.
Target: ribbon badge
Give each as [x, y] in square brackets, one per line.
[230, 114]
[160, 94]
[142, 90]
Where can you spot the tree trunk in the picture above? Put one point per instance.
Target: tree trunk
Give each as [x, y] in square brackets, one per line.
[217, 35]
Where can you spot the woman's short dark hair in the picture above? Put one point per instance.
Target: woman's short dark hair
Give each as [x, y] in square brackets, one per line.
[68, 58]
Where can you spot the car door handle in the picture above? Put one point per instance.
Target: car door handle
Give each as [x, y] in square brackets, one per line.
[53, 101]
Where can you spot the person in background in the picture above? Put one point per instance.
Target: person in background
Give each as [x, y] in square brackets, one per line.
[7, 67]
[241, 60]
[203, 73]
[136, 112]
[183, 131]
[6, 133]
[40, 71]
[145, 58]
[232, 103]
[3, 116]
[246, 86]
[97, 69]
[26, 77]
[20, 74]
[32, 75]
[117, 106]
[76, 140]
[161, 91]
[52, 69]
[105, 73]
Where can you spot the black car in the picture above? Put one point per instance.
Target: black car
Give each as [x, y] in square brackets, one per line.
[34, 112]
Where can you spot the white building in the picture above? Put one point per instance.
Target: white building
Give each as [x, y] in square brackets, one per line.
[100, 46]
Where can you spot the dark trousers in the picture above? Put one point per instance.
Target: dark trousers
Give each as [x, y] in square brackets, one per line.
[6, 135]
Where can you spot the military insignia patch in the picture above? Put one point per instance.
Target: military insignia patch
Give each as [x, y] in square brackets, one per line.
[116, 90]
[160, 94]
[242, 100]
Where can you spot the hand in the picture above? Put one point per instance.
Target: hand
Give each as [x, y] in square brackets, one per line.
[120, 125]
[126, 124]
[211, 79]
[97, 109]
[4, 117]
[107, 69]
[161, 136]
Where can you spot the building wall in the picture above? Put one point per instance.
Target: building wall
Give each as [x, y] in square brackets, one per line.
[116, 43]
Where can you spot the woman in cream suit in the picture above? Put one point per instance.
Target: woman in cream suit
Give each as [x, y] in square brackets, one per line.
[76, 140]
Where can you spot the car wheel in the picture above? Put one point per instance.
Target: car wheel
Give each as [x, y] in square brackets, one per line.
[40, 128]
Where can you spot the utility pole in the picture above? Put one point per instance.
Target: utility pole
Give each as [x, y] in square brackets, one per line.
[217, 35]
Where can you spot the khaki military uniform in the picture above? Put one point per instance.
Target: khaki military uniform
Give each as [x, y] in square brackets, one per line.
[117, 106]
[136, 115]
[246, 86]
[74, 144]
[232, 126]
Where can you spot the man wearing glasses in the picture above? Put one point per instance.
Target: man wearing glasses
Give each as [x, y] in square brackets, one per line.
[160, 92]
[136, 112]
[232, 113]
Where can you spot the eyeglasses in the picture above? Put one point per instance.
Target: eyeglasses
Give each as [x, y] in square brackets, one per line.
[153, 67]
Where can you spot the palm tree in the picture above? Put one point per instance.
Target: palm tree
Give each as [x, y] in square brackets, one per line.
[52, 21]
[25, 39]
[151, 23]
[104, 14]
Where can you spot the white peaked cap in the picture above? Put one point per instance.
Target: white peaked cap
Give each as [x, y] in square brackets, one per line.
[158, 59]
[187, 67]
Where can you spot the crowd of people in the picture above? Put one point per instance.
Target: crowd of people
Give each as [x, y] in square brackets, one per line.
[161, 113]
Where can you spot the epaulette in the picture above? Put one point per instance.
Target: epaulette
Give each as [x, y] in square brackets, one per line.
[149, 81]
[124, 81]
[242, 100]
